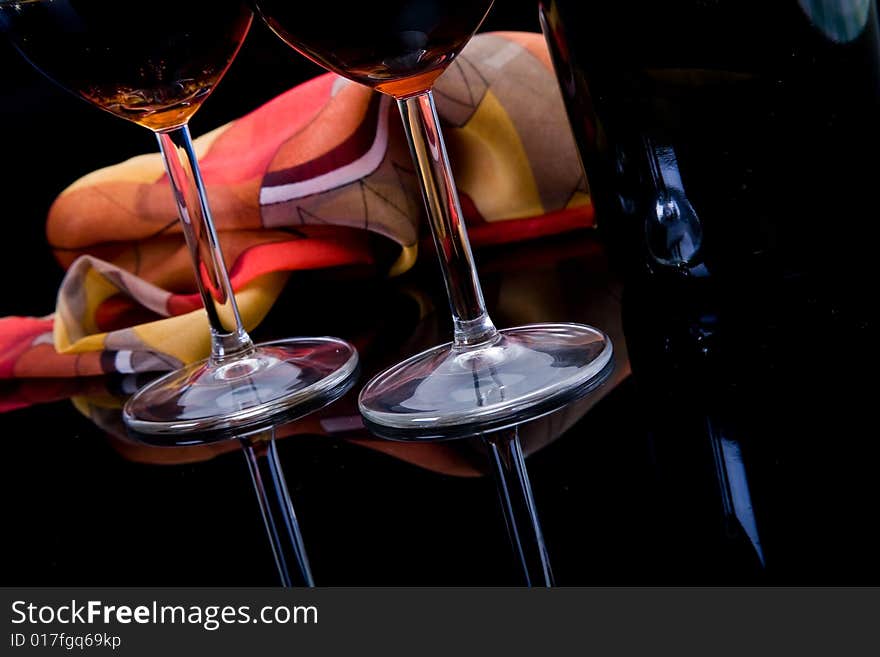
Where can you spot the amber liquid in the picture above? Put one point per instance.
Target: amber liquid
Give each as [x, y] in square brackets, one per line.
[398, 47]
[152, 66]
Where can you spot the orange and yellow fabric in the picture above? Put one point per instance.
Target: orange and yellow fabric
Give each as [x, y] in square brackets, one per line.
[300, 183]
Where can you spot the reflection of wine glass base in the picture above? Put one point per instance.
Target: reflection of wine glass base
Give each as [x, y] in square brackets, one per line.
[521, 374]
[276, 377]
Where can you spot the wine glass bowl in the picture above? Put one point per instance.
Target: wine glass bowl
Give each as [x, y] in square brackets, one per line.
[155, 68]
[398, 47]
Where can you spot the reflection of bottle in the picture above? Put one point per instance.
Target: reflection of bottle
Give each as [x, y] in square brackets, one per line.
[733, 486]
[673, 233]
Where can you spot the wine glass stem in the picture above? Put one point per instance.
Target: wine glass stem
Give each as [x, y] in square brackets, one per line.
[422, 126]
[518, 504]
[276, 508]
[228, 336]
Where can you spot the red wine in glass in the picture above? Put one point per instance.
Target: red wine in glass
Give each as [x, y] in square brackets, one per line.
[154, 69]
[398, 47]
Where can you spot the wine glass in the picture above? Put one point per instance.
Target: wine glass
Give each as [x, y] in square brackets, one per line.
[155, 67]
[486, 381]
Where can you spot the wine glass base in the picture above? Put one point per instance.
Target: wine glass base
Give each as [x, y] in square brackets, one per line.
[522, 374]
[297, 374]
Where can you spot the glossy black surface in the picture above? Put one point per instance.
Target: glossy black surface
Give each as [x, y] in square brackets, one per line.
[629, 491]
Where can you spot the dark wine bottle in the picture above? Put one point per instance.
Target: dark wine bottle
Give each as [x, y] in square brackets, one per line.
[732, 149]
[728, 138]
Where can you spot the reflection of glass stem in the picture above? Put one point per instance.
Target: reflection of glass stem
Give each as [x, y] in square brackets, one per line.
[276, 508]
[673, 230]
[518, 505]
[657, 177]
[515, 495]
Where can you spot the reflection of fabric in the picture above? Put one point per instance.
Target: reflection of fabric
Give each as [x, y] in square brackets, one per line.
[565, 278]
[293, 186]
[340, 421]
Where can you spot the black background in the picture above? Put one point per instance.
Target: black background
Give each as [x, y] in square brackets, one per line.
[621, 504]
